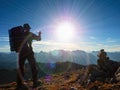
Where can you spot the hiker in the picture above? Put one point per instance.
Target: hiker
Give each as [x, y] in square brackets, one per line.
[102, 54]
[103, 62]
[26, 52]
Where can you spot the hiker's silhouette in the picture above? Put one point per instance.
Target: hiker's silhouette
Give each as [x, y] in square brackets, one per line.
[102, 54]
[26, 52]
[102, 60]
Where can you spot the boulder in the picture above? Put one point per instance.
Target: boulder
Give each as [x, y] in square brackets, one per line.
[117, 74]
[108, 66]
[105, 71]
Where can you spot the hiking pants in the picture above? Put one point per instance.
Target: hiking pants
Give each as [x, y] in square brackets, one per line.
[21, 62]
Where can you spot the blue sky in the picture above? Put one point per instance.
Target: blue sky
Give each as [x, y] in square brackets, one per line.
[97, 23]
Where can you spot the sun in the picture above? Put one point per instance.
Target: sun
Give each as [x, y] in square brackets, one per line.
[65, 31]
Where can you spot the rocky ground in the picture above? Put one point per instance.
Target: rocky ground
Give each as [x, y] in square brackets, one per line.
[66, 81]
[104, 76]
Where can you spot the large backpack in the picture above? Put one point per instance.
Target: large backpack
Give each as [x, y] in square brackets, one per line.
[16, 37]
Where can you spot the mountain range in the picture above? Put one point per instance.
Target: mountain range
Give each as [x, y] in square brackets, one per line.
[9, 60]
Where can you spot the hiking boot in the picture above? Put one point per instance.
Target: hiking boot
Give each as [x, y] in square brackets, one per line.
[36, 84]
[21, 87]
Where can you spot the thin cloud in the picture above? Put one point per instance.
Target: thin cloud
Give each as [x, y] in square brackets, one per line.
[110, 40]
[93, 38]
[51, 45]
[5, 48]
[4, 38]
[113, 48]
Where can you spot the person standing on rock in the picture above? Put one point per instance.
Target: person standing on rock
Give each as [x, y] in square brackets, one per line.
[26, 52]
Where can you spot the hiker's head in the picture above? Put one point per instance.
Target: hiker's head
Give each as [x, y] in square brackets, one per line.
[102, 50]
[26, 26]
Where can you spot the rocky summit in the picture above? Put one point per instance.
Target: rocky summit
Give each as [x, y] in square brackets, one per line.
[91, 77]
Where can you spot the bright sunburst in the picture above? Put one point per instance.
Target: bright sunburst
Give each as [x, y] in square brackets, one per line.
[65, 31]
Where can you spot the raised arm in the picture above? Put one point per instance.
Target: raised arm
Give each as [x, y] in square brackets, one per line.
[35, 37]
